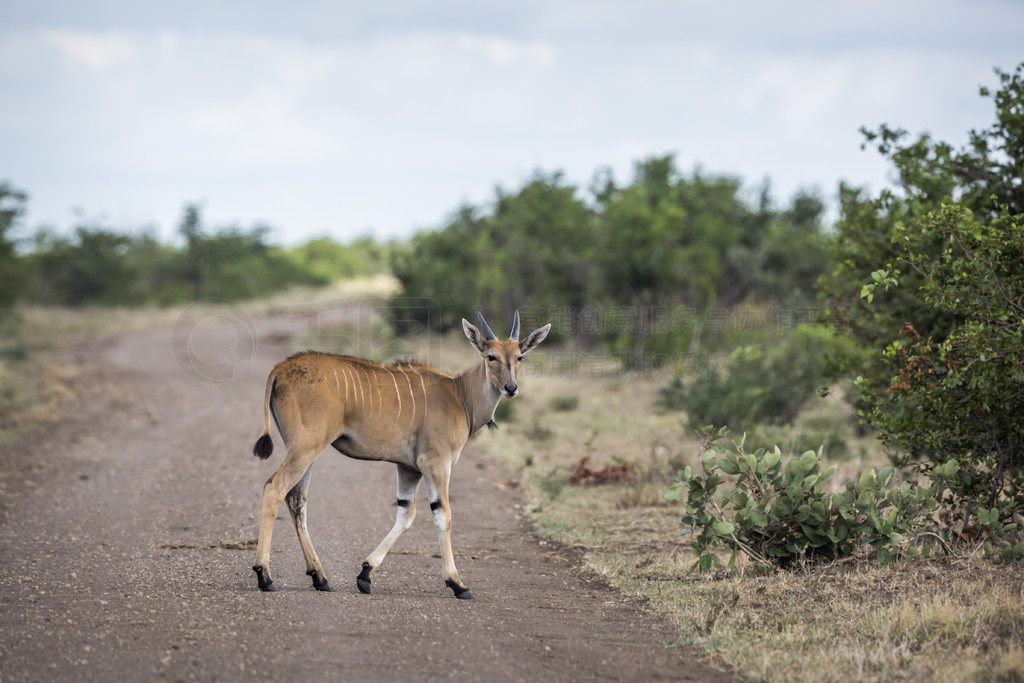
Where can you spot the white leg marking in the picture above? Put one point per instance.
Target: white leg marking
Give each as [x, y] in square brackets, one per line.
[407, 485]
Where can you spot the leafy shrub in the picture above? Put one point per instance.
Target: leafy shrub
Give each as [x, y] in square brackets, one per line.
[760, 382]
[832, 442]
[565, 404]
[12, 207]
[945, 318]
[327, 260]
[505, 412]
[779, 513]
[961, 396]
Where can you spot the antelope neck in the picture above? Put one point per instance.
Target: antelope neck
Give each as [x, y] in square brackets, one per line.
[478, 397]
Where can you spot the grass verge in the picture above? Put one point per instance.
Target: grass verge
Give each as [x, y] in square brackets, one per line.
[959, 620]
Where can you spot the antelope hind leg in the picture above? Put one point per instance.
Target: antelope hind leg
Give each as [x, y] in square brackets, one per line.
[295, 465]
[296, 500]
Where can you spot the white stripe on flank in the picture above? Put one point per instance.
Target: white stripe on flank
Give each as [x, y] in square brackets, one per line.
[397, 392]
[336, 382]
[380, 399]
[424, 385]
[359, 383]
[411, 395]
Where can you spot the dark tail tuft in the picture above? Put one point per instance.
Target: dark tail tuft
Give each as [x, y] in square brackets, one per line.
[264, 447]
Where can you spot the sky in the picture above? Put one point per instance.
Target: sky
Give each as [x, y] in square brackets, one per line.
[346, 119]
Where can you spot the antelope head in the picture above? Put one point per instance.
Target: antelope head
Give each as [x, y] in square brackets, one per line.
[502, 358]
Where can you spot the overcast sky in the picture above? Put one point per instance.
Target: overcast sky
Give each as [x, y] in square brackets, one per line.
[332, 117]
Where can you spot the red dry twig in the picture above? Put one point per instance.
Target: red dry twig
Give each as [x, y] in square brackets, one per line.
[613, 474]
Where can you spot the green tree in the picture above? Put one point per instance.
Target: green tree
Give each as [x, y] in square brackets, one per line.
[329, 260]
[444, 267]
[533, 249]
[929, 173]
[234, 263]
[961, 396]
[945, 379]
[793, 253]
[12, 206]
[89, 267]
[158, 271]
[674, 248]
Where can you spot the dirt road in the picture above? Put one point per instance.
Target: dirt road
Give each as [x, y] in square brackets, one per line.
[125, 548]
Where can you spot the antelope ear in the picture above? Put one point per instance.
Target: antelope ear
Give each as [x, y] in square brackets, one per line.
[534, 338]
[473, 335]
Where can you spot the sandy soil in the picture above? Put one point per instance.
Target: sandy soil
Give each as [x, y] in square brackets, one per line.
[126, 529]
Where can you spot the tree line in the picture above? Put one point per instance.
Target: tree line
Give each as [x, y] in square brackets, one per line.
[97, 265]
[633, 267]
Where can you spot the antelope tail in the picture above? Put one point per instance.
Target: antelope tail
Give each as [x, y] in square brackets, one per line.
[264, 445]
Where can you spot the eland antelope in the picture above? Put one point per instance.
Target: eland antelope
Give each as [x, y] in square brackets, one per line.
[405, 413]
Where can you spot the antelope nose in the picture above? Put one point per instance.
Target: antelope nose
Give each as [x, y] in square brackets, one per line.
[510, 390]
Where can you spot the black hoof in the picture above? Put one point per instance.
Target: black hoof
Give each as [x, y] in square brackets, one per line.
[265, 583]
[319, 582]
[461, 592]
[363, 580]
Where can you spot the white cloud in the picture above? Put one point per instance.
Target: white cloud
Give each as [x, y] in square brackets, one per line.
[798, 92]
[97, 52]
[325, 120]
[505, 52]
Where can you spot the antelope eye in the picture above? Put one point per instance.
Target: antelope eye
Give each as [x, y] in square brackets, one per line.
[519, 360]
[491, 357]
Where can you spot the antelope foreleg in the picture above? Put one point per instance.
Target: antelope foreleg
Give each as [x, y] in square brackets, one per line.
[408, 483]
[295, 465]
[442, 513]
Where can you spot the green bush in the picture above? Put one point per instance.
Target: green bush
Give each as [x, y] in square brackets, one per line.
[12, 207]
[779, 513]
[799, 438]
[760, 383]
[505, 412]
[961, 396]
[565, 404]
[928, 275]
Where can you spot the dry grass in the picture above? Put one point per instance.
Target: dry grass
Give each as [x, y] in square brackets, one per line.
[916, 620]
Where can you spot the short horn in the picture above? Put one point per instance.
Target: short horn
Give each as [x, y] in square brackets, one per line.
[515, 328]
[488, 335]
